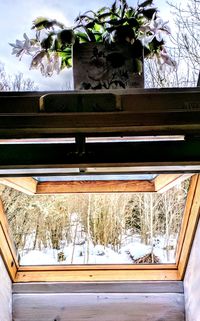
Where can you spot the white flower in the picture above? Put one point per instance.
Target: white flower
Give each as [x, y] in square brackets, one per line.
[53, 65]
[23, 47]
[47, 63]
[165, 59]
[153, 29]
[157, 27]
[146, 39]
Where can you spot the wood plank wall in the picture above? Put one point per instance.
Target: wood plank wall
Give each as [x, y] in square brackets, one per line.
[5, 294]
[192, 281]
[132, 301]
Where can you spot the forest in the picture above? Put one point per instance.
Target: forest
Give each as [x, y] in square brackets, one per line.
[95, 228]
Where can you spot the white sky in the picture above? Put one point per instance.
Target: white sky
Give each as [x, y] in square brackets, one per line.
[16, 17]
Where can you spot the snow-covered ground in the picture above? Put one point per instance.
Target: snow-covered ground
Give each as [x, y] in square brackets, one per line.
[87, 253]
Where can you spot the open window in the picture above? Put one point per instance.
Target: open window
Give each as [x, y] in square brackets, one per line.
[98, 220]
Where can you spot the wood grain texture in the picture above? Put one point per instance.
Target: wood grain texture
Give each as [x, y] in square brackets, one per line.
[192, 281]
[7, 249]
[186, 215]
[100, 287]
[97, 307]
[5, 293]
[25, 185]
[190, 231]
[95, 187]
[96, 275]
[164, 182]
[98, 267]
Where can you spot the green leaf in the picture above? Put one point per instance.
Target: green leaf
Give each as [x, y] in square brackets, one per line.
[98, 38]
[103, 16]
[97, 27]
[47, 42]
[116, 22]
[67, 63]
[133, 22]
[100, 11]
[90, 35]
[114, 7]
[83, 36]
[90, 24]
[146, 3]
[148, 13]
[123, 9]
[66, 37]
[44, 23]
[81, 17]
[139, 66]
[66, 58]
[130, 13]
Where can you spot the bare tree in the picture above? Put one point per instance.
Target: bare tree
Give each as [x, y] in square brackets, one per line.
[184, 48]
[15, 82]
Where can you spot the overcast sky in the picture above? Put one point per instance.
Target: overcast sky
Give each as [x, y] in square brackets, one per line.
[16, 17]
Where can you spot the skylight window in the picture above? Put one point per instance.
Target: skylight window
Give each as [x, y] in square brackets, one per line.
[53, 227]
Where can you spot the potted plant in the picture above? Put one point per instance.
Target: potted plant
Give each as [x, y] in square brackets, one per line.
[108, 46]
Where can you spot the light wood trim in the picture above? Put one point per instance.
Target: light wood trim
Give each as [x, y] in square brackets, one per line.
[6, 246]
[23, 184]
[161, 184]
[95, 187]
[97, 275]
[164, 182]
[7, 255]
[193, 218]
[98, 267]
[5, 227]
[186, 215]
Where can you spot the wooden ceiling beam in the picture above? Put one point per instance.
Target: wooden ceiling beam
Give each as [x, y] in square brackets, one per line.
[113, 186]
[26, 185]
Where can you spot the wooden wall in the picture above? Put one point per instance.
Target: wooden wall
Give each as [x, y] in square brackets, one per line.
[192, 281]
[133, 301]
[5, 294]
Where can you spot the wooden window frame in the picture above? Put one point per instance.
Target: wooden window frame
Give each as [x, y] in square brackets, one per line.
[141, 112]
[122, 272]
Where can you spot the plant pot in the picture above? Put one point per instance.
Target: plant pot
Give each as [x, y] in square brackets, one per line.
[100, 66]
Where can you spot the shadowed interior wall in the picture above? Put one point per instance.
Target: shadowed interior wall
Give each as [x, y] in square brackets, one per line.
[192, 281]
[133, 301]
[5, 294]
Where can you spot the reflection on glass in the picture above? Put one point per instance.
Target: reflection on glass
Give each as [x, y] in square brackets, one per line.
[120, 228]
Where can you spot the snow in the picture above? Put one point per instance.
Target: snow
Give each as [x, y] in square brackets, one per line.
[137, 250]
[87, 253]
[35, 257]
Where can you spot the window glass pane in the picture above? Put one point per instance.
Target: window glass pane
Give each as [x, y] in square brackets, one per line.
[83, 228]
